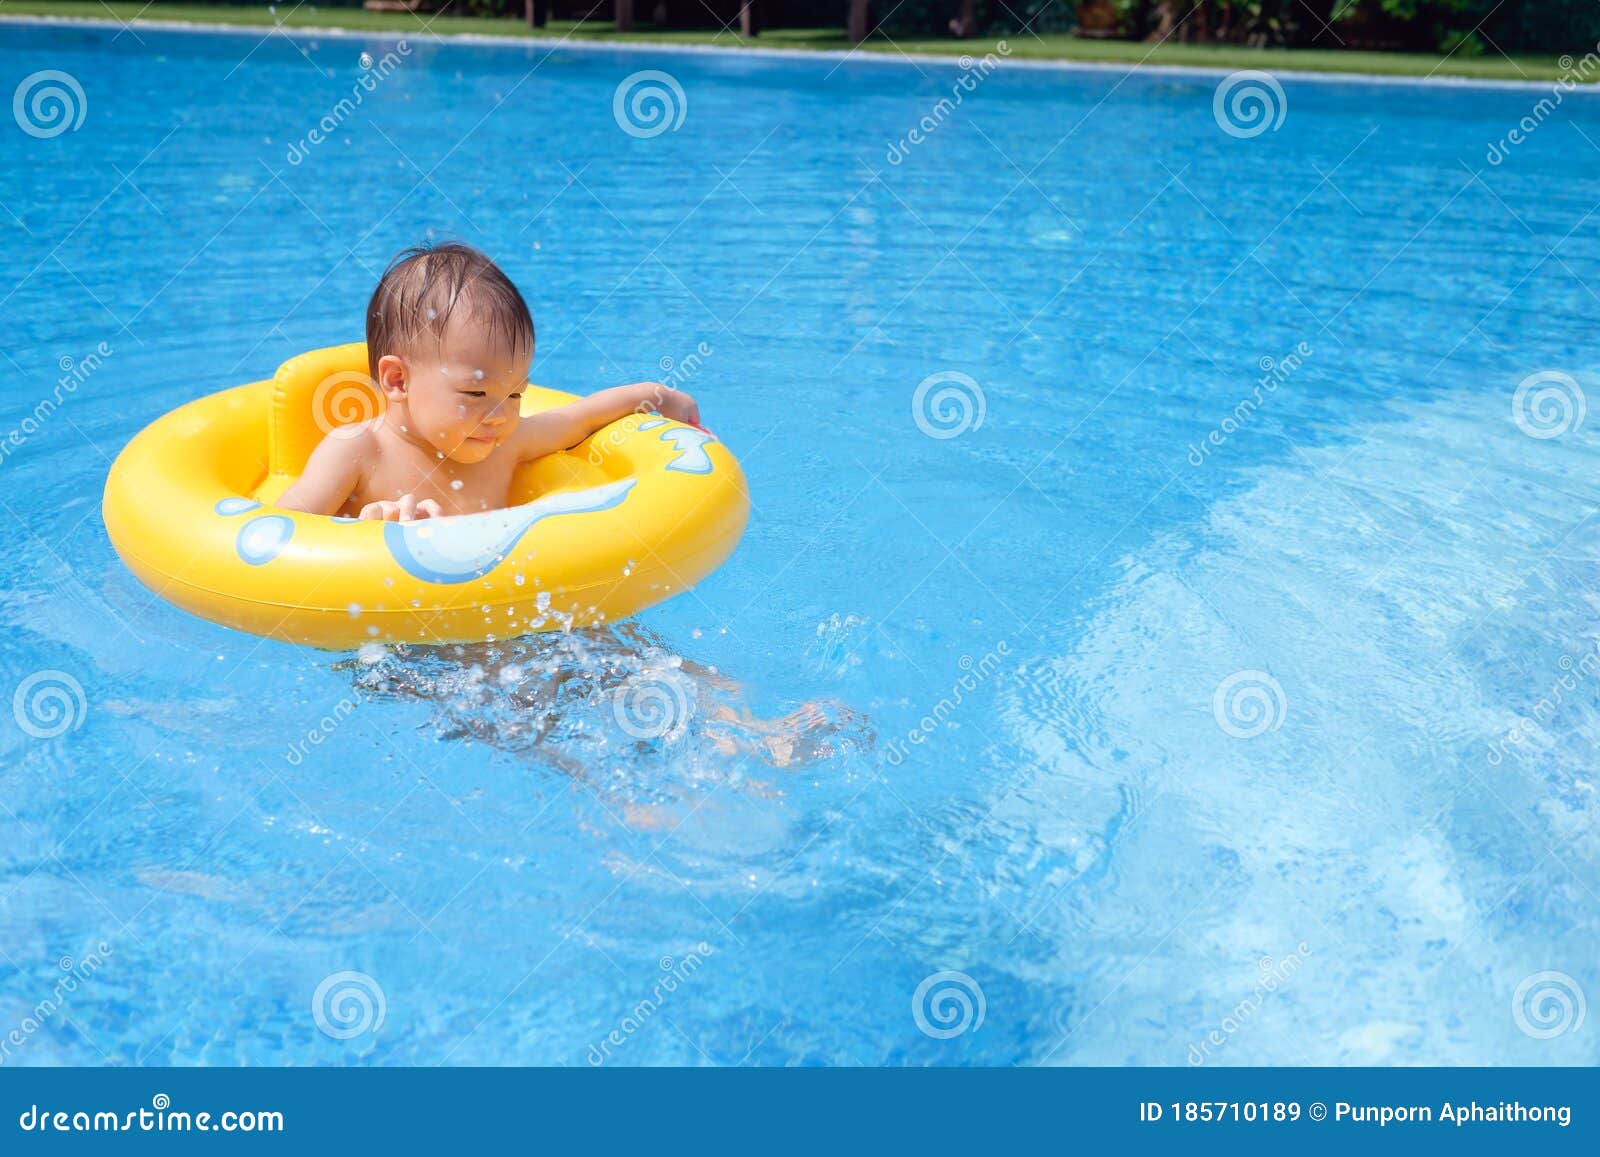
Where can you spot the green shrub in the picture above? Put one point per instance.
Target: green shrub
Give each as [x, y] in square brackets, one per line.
[1462, 42]
[924, 18]
[1560, 26]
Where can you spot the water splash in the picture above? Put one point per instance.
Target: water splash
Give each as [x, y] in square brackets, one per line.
[617, 709]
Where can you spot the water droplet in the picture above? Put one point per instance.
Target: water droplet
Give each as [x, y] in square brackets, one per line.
[371, 653]
[355, 610]
[477, 375]
[455, 484]
[519, 580]
[542, 601]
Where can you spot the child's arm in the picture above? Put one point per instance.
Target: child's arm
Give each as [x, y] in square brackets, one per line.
[328, 480]
[551, 430]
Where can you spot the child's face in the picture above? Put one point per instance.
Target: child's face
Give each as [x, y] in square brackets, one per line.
[463, 398]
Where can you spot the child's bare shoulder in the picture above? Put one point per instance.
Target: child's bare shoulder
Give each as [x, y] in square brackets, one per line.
[334, 472]
[346, 453]
[353, 443]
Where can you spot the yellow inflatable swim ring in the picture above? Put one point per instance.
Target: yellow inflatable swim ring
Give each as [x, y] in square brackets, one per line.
[640, 511]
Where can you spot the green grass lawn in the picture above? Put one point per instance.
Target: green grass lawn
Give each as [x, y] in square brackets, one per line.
[1050, 47]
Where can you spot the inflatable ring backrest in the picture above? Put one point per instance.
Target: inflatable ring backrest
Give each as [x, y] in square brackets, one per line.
[312, 396]
[638, 512]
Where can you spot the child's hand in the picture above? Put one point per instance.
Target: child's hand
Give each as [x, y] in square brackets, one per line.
[407, 509]
[677, 405]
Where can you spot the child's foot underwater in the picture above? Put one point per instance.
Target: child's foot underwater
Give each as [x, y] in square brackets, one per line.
[596, 704]
[815, 732]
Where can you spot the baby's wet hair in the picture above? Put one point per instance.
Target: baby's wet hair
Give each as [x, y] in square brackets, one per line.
[424, 286]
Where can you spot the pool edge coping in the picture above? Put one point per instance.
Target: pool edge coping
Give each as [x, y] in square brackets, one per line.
[818, 54]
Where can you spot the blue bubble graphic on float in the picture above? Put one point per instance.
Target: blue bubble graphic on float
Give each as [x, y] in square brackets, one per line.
[460, 549]
[228, 507]
[262, 538]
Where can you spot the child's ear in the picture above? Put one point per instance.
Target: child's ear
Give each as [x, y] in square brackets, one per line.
[392, 377]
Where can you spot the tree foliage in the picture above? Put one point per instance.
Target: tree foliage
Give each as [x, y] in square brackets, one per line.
[1463, 26]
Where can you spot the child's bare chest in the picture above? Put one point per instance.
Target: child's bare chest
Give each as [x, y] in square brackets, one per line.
[457, 488]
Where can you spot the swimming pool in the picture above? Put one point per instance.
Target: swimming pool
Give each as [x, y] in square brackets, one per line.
[1128, 660]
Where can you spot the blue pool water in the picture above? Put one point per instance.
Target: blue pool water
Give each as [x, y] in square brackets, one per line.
[1162, 719]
